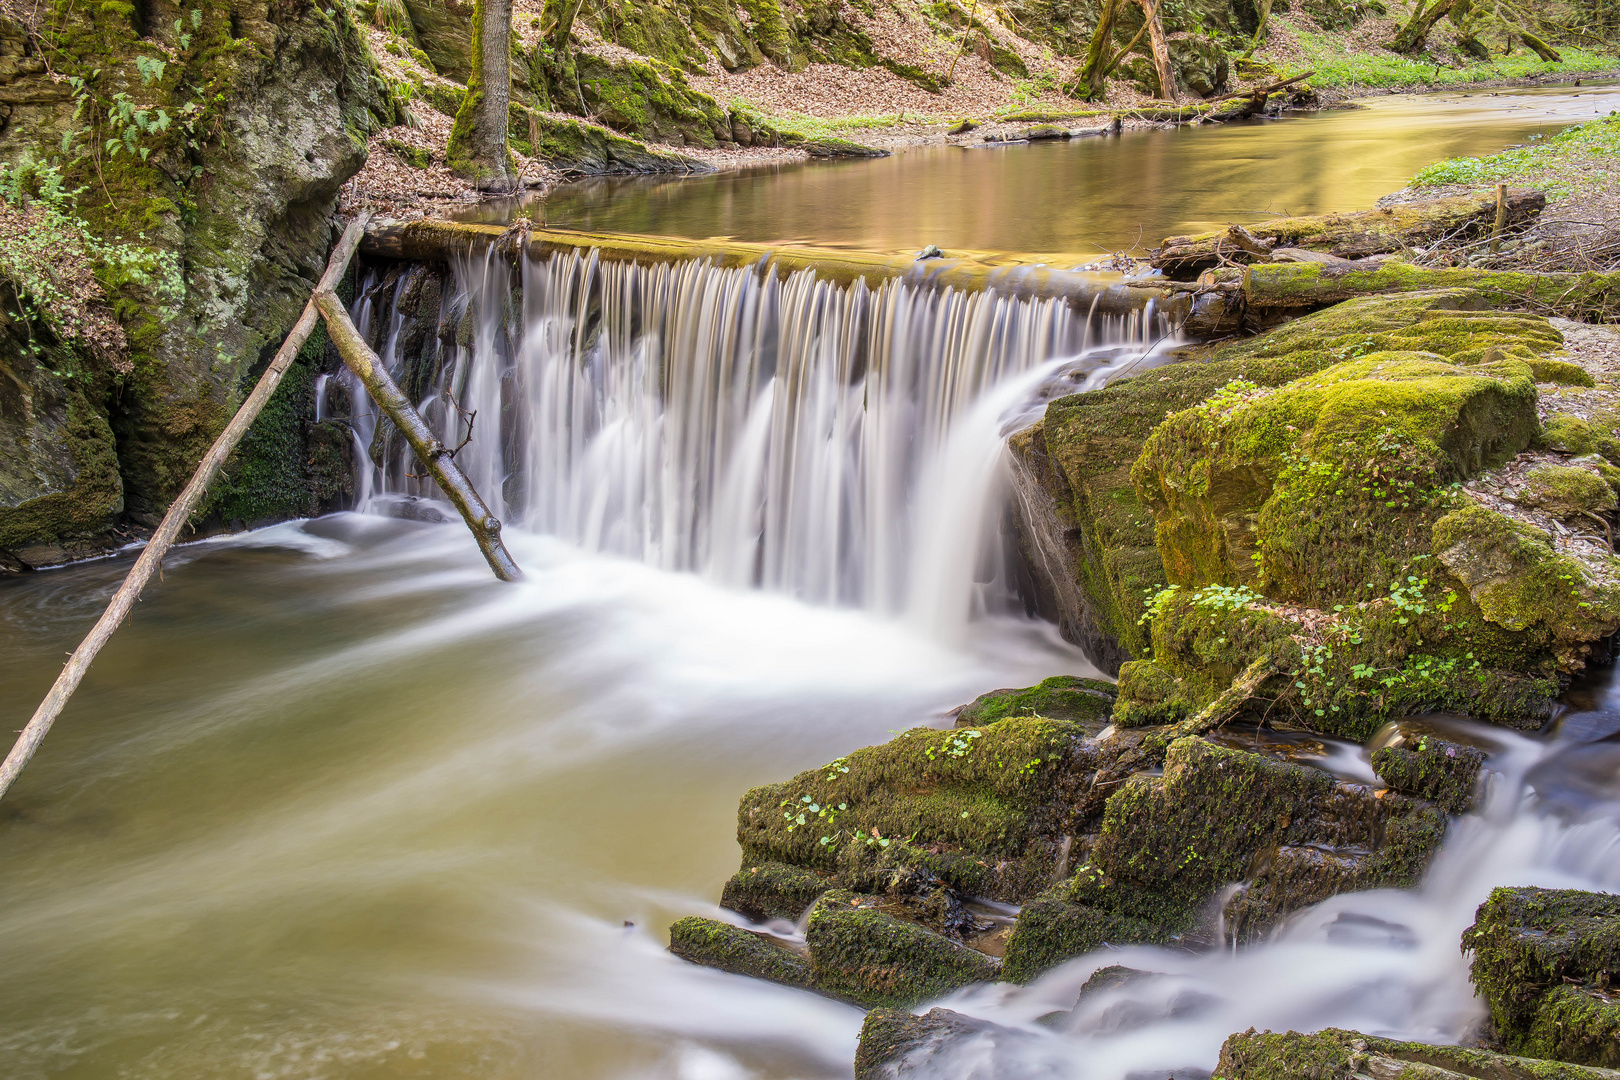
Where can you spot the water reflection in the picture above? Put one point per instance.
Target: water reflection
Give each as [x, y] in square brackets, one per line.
[1089, 195]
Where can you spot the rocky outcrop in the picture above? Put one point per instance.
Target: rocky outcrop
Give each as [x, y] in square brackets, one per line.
[1547, 962]
[232, 130]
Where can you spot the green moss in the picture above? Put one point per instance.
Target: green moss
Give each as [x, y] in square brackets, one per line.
[959, 796]
[417, 157]
[772, 890]
[1432, 768]
[86, 508]
[1566, 491]
[1149, 695]
[1561, 372]
[865, 955]
[1542, 959]
[1333, 1054]
[265, 479]
[1051, 931]
[730, 948]
[1062, 697]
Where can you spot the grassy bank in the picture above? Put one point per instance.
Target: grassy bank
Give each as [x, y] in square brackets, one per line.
[1574, 162]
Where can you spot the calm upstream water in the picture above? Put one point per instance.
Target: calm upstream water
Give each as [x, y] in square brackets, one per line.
[335, 803]
[1088, 195]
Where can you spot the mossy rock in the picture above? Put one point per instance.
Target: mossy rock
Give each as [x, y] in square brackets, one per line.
[1519, 582]
[1061, 697]
[1335, 1054]
[578, 147]
[1051, 930]
[772, 890]
[868, 956]
[1544, 961]
[978, 807]
[1570, 434]
[1560, 372]
[897, 1043]
[1443, 772]
[715, 944]
[1149, 695]
[1566, 491]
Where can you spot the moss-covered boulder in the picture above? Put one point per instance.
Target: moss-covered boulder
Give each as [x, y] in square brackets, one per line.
[1088, 702]
[1547, 962]
[1166, 845]
[896, 1043]
[1567, 491]
[1443, 772]
[715, 944]
[1334, 1054]
[1571, 434]
[862, 953]
[980, 808]
[772, 890]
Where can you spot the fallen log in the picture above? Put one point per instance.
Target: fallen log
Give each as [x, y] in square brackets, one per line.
[1280, 287]
[1353, 235]
[180, 511]
[439, 459]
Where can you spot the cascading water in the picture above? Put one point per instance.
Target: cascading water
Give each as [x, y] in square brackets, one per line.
[840, 444]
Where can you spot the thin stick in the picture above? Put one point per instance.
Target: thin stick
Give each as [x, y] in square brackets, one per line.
[965, 35]
[440, 462]
[179, 513]
[1501, 218]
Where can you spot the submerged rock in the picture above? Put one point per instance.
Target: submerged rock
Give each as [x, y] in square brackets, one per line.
[1333, 1054]
[1444, 772]
[1547, 962]
[896, 1044]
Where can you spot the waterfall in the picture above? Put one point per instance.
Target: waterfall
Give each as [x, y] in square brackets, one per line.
[842, 444]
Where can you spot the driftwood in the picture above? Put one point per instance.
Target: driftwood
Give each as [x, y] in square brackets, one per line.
[180, 512]
[439, 459]
[1349, 236]
[1254, 99]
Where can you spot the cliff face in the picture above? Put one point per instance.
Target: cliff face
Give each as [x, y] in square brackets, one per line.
[215, 138]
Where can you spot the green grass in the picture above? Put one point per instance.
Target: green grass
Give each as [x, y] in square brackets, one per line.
[822, 127]
[1339, 67]
[1557, 164]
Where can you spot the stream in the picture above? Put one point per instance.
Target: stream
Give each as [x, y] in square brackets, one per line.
[335, 803]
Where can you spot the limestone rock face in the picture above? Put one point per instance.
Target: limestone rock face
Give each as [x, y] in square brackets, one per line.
[250, 119]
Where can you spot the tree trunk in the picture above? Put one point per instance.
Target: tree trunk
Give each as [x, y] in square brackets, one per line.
[440, 462]
[557, 35]
[1541, 48]
[1416, 31]
[1161, 51]
[1098, 61]
[180, 511]
[478, 146]
[1260, 30]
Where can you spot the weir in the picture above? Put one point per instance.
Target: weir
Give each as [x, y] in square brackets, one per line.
[828, 425]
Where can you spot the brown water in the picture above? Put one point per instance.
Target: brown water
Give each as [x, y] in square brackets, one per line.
[1088, 195]
[336, 804]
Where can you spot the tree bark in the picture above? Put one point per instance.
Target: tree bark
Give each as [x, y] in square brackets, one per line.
[1260, 29]
[478, 151]
[557, 36]
[441, 464]
[180, 511]
[1098, 61]
[1161, 51]
[1416, 31]
[1540, 47]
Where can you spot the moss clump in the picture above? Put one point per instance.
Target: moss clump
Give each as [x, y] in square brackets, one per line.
[1570, 434]
[975, 806]
[417, 157]
[865, 955]
[772, 891]
[1062, 697]
[1544, 960]
[1149, 695]
[730, 948]
[1443, 772]
[265, 479]
[1567, 491]
[1052, 930]
[1561, 372]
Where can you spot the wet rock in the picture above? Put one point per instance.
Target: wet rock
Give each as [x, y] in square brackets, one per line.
[715, 944]
[1167, 845]
[863, 954]
[896, 1044]
[1062, 697]
[1547, 962]
[1200, 64]
[772, 890]
[1334, 1054]
[1432, 768]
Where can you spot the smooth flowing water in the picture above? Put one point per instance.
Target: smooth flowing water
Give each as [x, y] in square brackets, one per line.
[337, 804]
[1089, 195]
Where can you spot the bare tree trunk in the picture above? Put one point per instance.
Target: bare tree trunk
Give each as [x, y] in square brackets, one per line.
[180, 511]
[1161, 51]
[478, 150]
[440, 461]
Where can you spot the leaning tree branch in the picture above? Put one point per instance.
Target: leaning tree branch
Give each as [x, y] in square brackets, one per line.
[440, 462]
[180, 511]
